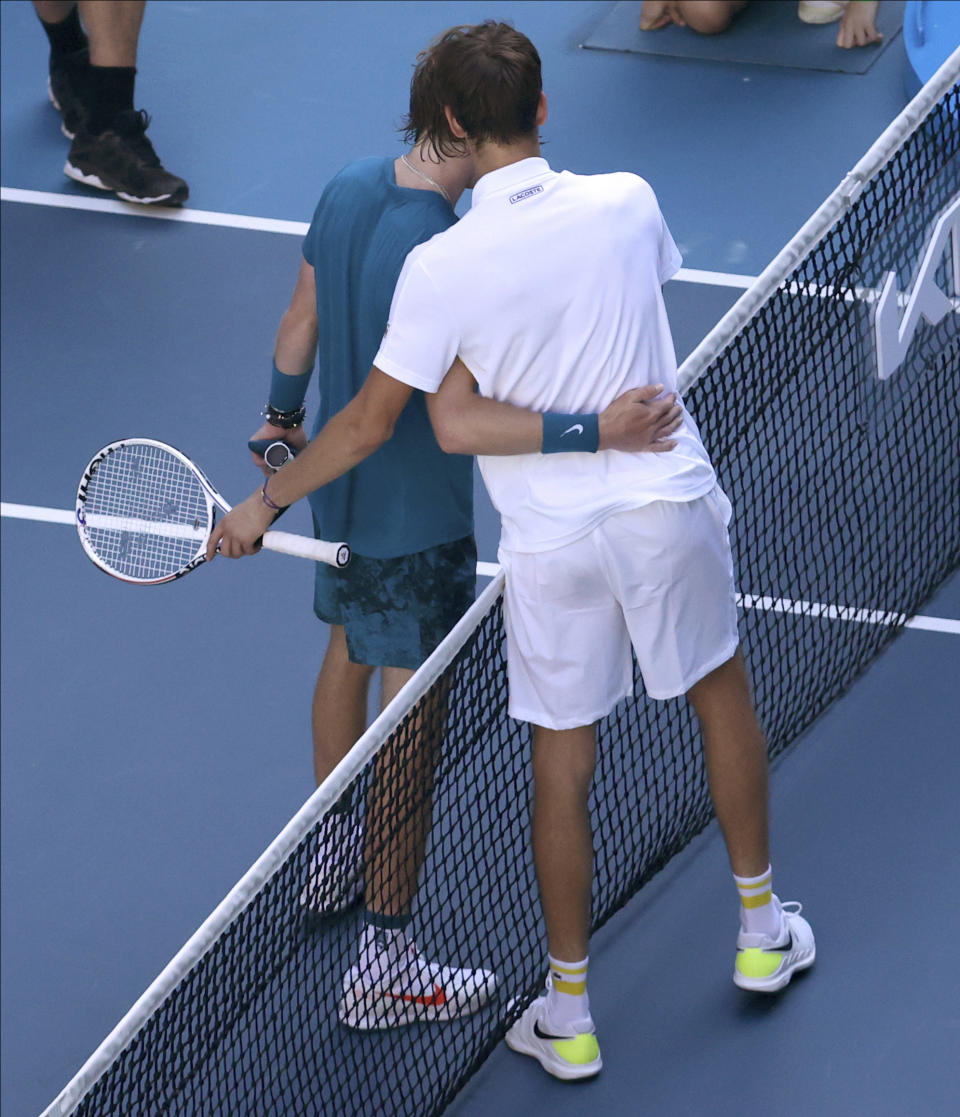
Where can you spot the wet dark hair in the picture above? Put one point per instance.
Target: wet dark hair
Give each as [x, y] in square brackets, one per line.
[489, 74]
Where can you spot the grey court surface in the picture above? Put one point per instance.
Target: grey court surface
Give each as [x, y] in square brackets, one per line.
[155, 741]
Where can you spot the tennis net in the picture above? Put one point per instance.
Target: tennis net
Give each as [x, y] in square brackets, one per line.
[828, 399]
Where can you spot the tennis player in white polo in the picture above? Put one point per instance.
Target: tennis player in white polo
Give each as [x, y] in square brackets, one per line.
[549, 292]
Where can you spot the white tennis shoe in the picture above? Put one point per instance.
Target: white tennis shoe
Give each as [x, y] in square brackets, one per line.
[568, 1056]
[335, 882]
[387, 992]
[766, 964]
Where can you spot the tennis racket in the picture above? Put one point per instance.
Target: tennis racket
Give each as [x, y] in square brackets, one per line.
[145, 513]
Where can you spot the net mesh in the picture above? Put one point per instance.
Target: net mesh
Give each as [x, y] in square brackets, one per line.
[846, 492]
[145, 514]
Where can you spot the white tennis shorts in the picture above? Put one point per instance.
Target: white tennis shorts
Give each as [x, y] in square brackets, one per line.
[659, 577]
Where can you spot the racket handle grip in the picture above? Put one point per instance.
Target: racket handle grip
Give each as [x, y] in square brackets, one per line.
[275, 453]
[336, 554]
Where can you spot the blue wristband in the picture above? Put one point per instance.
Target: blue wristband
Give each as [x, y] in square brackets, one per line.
[287, 392]
[563, 433]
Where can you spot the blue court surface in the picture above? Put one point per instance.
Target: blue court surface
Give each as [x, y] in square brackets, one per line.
[155, 741]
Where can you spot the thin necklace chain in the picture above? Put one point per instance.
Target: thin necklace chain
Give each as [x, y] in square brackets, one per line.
[426, 178]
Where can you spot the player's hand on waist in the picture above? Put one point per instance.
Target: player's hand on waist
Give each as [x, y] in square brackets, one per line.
[240, 531]
[642, 419]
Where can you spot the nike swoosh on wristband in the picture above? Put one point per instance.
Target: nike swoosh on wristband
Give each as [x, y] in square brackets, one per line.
[435, 1000]
[578, 427]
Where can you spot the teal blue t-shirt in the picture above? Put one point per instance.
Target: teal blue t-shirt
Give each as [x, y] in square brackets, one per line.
[409, 495]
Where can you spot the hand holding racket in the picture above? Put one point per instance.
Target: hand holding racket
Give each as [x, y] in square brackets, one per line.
[145, 514]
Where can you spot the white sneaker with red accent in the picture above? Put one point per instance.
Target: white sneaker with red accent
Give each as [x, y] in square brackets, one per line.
[394, 988]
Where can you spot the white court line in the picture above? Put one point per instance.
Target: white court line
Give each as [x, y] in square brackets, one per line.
[844, 613]
[162, 213]
[41, 515]
[264, 224]
[714, 278]
[491, 569]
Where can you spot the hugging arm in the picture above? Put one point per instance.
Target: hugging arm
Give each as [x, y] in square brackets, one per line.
[467, 423]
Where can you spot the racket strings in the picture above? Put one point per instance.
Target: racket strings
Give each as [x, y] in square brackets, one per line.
[147, 516]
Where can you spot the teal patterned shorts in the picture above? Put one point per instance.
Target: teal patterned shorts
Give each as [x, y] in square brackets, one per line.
[395, 611]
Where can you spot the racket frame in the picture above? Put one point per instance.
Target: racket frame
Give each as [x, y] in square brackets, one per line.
[337, 554]
[213, 500]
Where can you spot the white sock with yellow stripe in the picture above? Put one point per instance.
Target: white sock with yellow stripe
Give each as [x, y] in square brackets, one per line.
[568, 1005]
[759, 908]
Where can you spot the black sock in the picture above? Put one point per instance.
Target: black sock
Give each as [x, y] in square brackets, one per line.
[383, 922]
[107, 92]
[67, 36]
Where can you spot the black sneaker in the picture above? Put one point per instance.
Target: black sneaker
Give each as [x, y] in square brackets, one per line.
[122, 159]
[62, 88]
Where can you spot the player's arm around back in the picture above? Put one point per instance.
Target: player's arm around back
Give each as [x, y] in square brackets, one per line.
[467, 423]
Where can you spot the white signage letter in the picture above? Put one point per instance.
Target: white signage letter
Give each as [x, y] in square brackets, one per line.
[894, 334]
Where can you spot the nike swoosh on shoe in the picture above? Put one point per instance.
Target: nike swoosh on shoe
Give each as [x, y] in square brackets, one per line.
[787, 946]
[436, 999]
[546, 1035]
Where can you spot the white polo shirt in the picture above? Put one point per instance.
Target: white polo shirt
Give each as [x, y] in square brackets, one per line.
[549, 290]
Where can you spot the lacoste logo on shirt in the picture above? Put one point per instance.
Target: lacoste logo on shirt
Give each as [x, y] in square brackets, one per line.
[577, 428]
[524, 194]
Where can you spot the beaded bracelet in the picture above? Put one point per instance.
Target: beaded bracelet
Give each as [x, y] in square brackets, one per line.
[265, 497]
[286, 420]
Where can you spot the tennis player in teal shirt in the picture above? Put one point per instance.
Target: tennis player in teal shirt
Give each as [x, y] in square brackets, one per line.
[407, 512]
[408, 495]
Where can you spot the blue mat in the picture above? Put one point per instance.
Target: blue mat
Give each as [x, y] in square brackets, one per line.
[766, 33]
